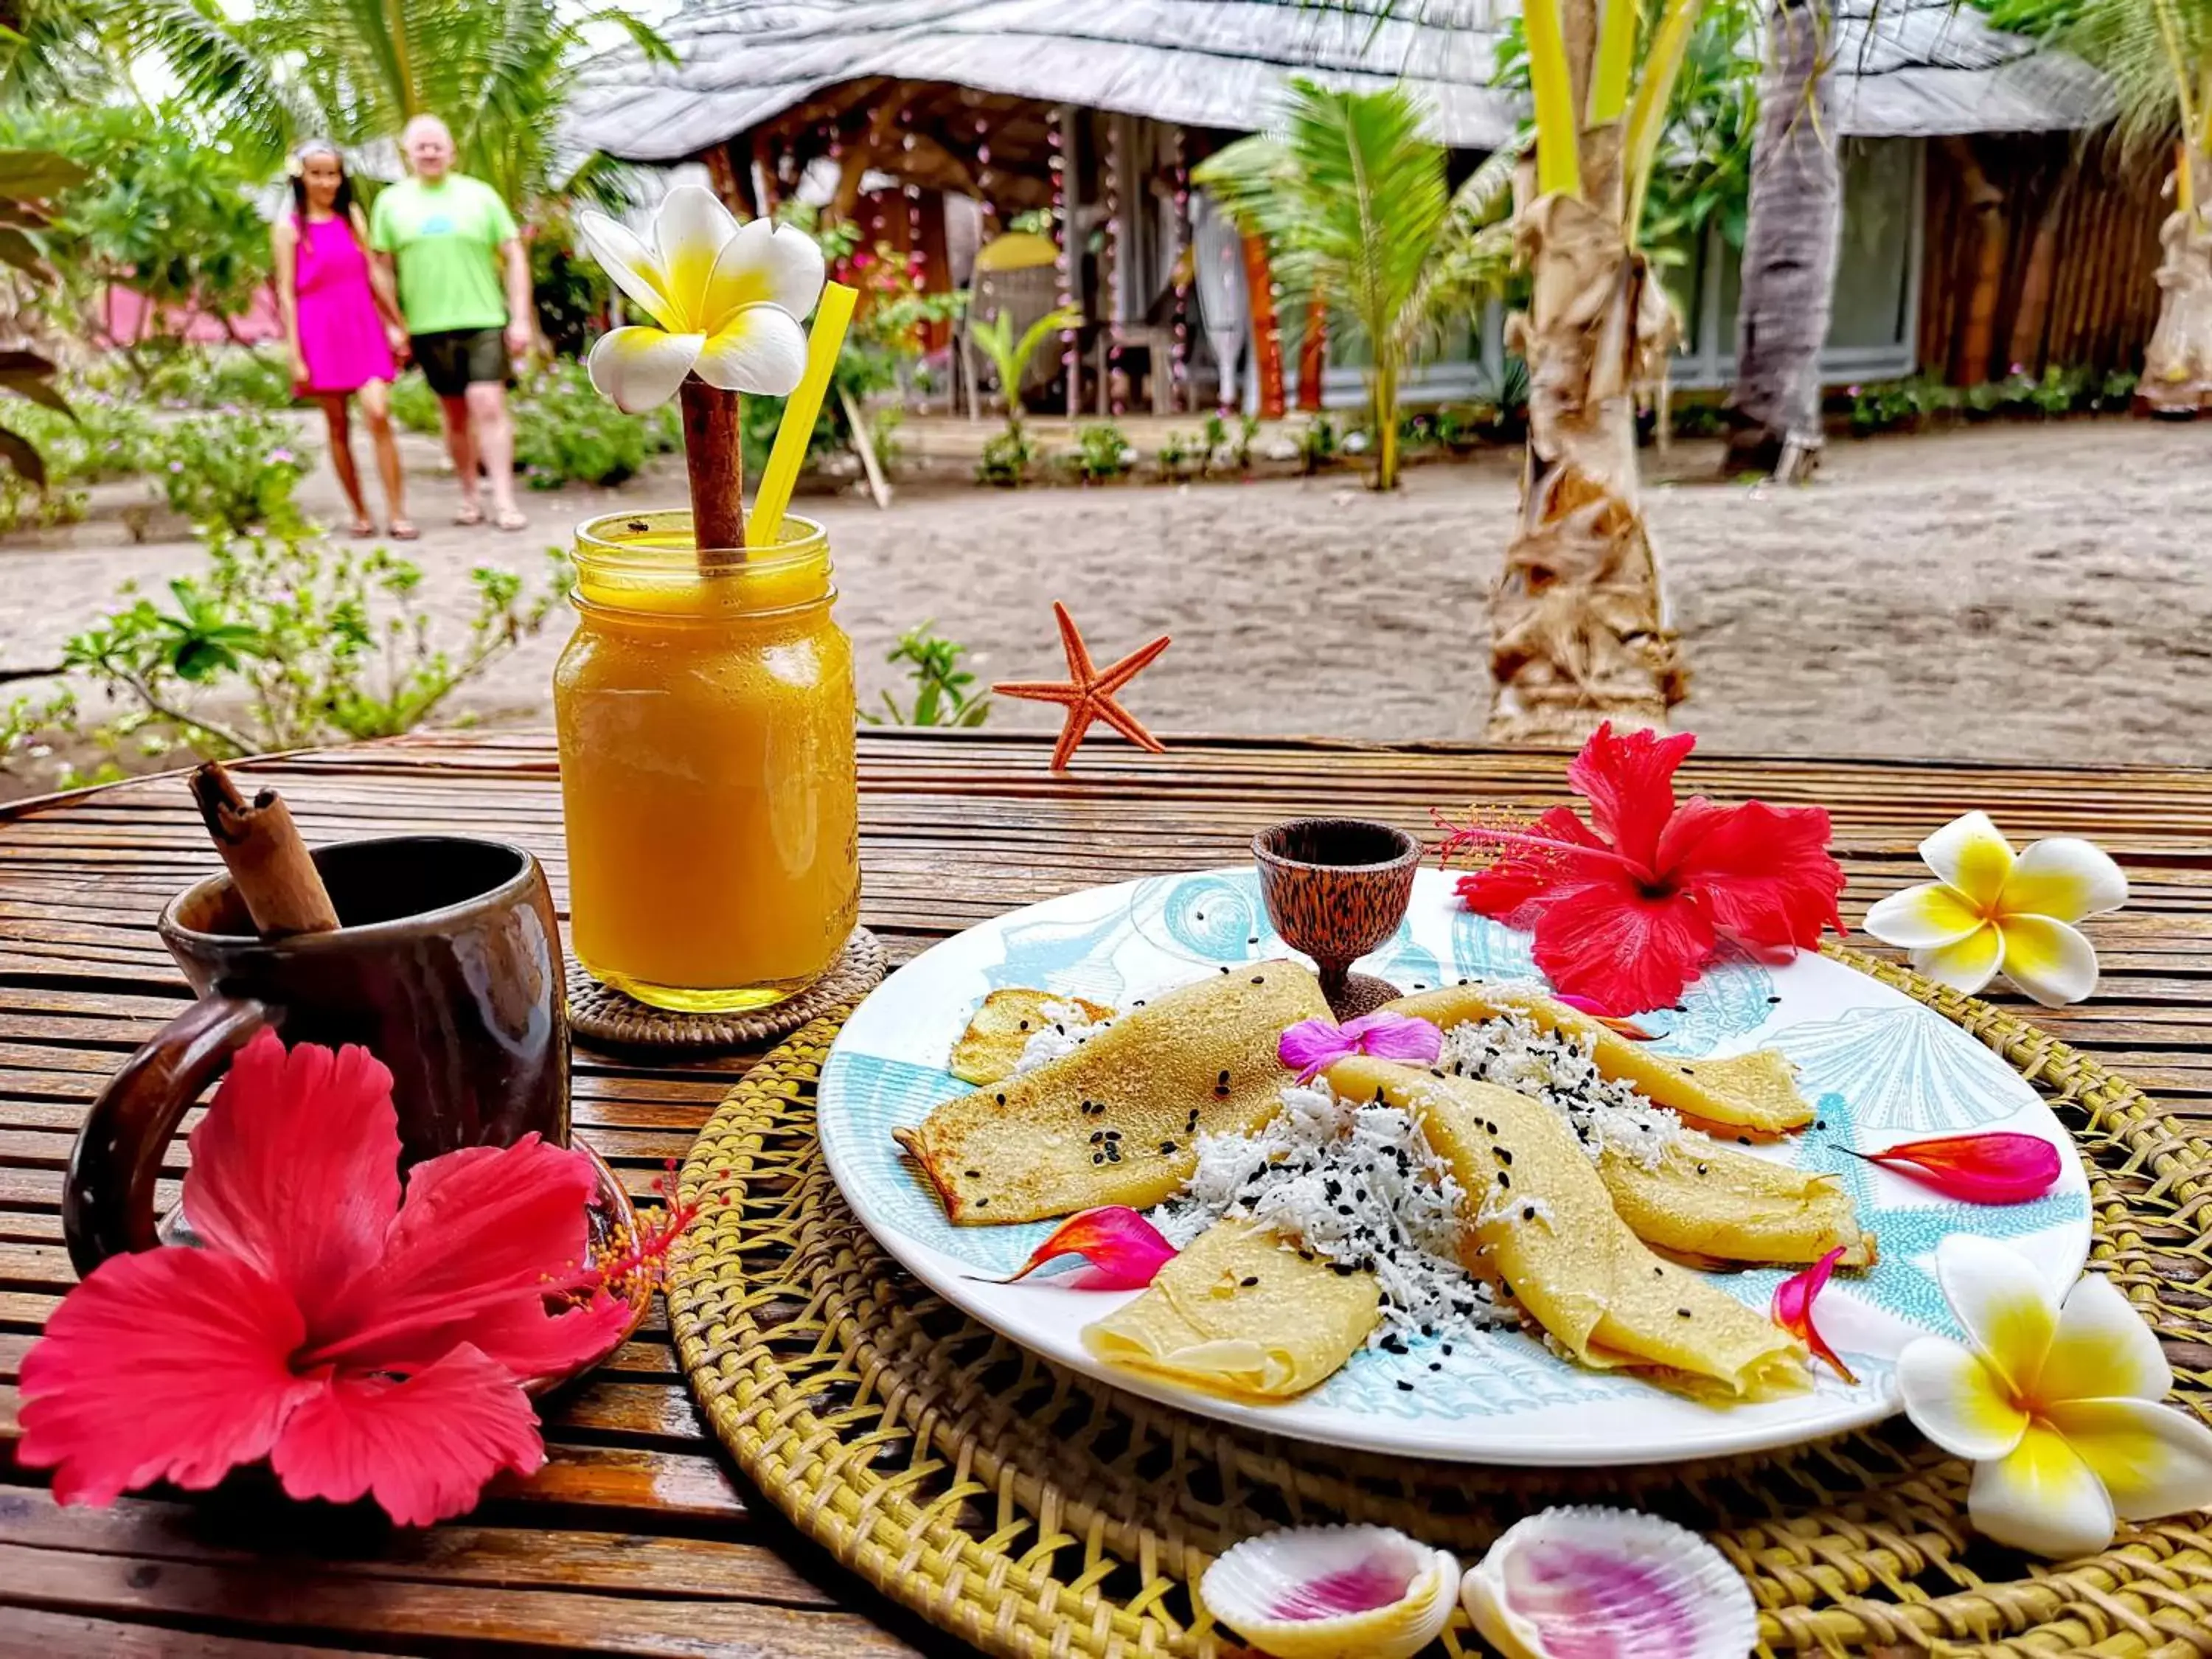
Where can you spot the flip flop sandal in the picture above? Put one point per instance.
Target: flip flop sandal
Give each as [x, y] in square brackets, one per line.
[403, 530]
[362, 529]
[512, 519]
[468, 515]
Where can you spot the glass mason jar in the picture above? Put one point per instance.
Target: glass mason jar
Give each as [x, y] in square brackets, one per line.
[706, 765]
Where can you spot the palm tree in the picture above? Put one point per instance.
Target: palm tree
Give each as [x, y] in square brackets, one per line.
[1578, 625]
[353, 70]
[1789, 249]
[1354, 205]
[2156, 55]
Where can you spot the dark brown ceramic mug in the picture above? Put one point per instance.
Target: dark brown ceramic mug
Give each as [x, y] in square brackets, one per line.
[447, 966]
[1337, 889]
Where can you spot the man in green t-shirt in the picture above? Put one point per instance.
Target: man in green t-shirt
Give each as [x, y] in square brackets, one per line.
[447, 241]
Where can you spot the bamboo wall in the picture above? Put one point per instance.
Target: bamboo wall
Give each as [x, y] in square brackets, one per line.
[2039, 251]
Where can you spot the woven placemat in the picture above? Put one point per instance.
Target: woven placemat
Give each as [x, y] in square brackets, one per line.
[1033, 1512]
[599, 1013]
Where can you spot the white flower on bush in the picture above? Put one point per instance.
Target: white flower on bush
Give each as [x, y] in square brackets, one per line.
[725, 301]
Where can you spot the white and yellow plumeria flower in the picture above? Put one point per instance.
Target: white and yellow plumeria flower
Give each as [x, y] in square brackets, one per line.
[1988, 911]
[727, 301]
[2056, 1405]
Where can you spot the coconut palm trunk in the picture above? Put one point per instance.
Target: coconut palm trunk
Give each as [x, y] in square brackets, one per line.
[1578, 625]
[1791, 245]
[2177, 377]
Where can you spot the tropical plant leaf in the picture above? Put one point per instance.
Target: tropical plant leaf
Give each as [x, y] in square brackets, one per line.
[33, 174]
[19, 453]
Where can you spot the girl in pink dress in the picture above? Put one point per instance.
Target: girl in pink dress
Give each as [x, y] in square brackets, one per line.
[340, 316]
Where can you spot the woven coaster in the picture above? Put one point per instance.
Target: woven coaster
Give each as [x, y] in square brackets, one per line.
[1033, 1512]
[601, 1014]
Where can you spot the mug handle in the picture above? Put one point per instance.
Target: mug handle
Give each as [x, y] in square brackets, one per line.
[107, 1201]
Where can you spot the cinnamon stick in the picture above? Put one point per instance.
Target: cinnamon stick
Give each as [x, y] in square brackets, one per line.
[268, 862]
[714, 457]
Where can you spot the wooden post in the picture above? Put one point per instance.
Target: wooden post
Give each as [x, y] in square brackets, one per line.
[1313, 355]
[714, 457]
[1070, 250]
[1267, 329]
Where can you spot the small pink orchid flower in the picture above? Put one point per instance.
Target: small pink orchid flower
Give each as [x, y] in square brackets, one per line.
[1793, 1310]
[1313, 1045]
[1125, 1250]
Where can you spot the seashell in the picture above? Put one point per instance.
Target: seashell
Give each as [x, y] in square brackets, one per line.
[1332, 1593]
[1599, 1583]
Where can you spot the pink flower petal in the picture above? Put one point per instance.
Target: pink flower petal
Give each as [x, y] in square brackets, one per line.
[2002, 1167]
[423, 1448]
[1793, 1309]
[295, 1168]
[1311, 1045]
[169, 1365]
[484, 1231]
[1125, 1249]
[1386, 1035]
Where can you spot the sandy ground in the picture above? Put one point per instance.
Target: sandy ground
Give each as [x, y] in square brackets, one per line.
[2031, 593]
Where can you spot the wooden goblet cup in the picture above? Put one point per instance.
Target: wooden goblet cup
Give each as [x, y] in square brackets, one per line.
[1337, 889]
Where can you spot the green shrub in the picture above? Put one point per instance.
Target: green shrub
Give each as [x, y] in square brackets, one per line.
[25, 506]
[1180, 455]
[2058, 391]
[1316, 443]
[312, 642]
[941, 695]
[110, 437]
[1101, 453]
[1005, 458]
[415, 406]
[565, 431]
[231, 472]
[228, 377]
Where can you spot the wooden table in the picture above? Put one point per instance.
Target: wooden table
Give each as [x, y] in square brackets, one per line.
[639, 1536]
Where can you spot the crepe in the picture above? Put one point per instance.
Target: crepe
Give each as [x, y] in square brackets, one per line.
[993, 1042]
[1748, 1097]
[1708, 1204]
[1543, 1231]
[1113, 1122]
[1238, 1314]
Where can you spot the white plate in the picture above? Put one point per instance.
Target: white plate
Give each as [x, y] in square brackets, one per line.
[1881, 1069]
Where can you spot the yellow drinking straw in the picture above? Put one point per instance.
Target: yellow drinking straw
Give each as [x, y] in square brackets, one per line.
[780, 477]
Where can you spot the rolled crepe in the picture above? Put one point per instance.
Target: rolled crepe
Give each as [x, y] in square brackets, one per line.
[1543, 1229]
[1114, 1121]
[1747, 1097]
[999, 1034]
[1240, 1314]
[1709, 1203]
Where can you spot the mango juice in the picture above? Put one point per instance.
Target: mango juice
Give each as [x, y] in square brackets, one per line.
[706, 765]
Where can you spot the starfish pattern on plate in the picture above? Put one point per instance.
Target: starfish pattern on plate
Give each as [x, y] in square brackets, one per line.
[1088, 693]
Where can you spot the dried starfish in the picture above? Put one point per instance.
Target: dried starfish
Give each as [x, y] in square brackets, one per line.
[1088, 692]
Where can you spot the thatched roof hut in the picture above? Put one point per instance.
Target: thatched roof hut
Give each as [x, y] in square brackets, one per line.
[1963, 220]
[1909, 68]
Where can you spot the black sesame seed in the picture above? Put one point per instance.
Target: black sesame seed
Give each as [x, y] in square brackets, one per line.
[1504, 1179]
[1224, 969]
[1404, 1384]
[1771, 1001]
[1436, 1364]
[1249, 1281]
[1682, 1312]
[1253, 939]
[982, 1203]
[1528, 1213]
[1224, 1077]
[1505, 1154]
[1743, 1140]
[975, 1175]
[1167, 1147]
[1097, 1157]
[1658, 1273]
[1221, 1091]
[1819, 1123]
[1002, 1100]
[1342, 1269]
[1344, 1209]
[1447, 1350]
[1097, 1135]
[1701, 1169]
[1259, 979]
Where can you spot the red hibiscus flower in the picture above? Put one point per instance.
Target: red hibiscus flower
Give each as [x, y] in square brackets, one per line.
[360, 1345]
[1626, 913]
